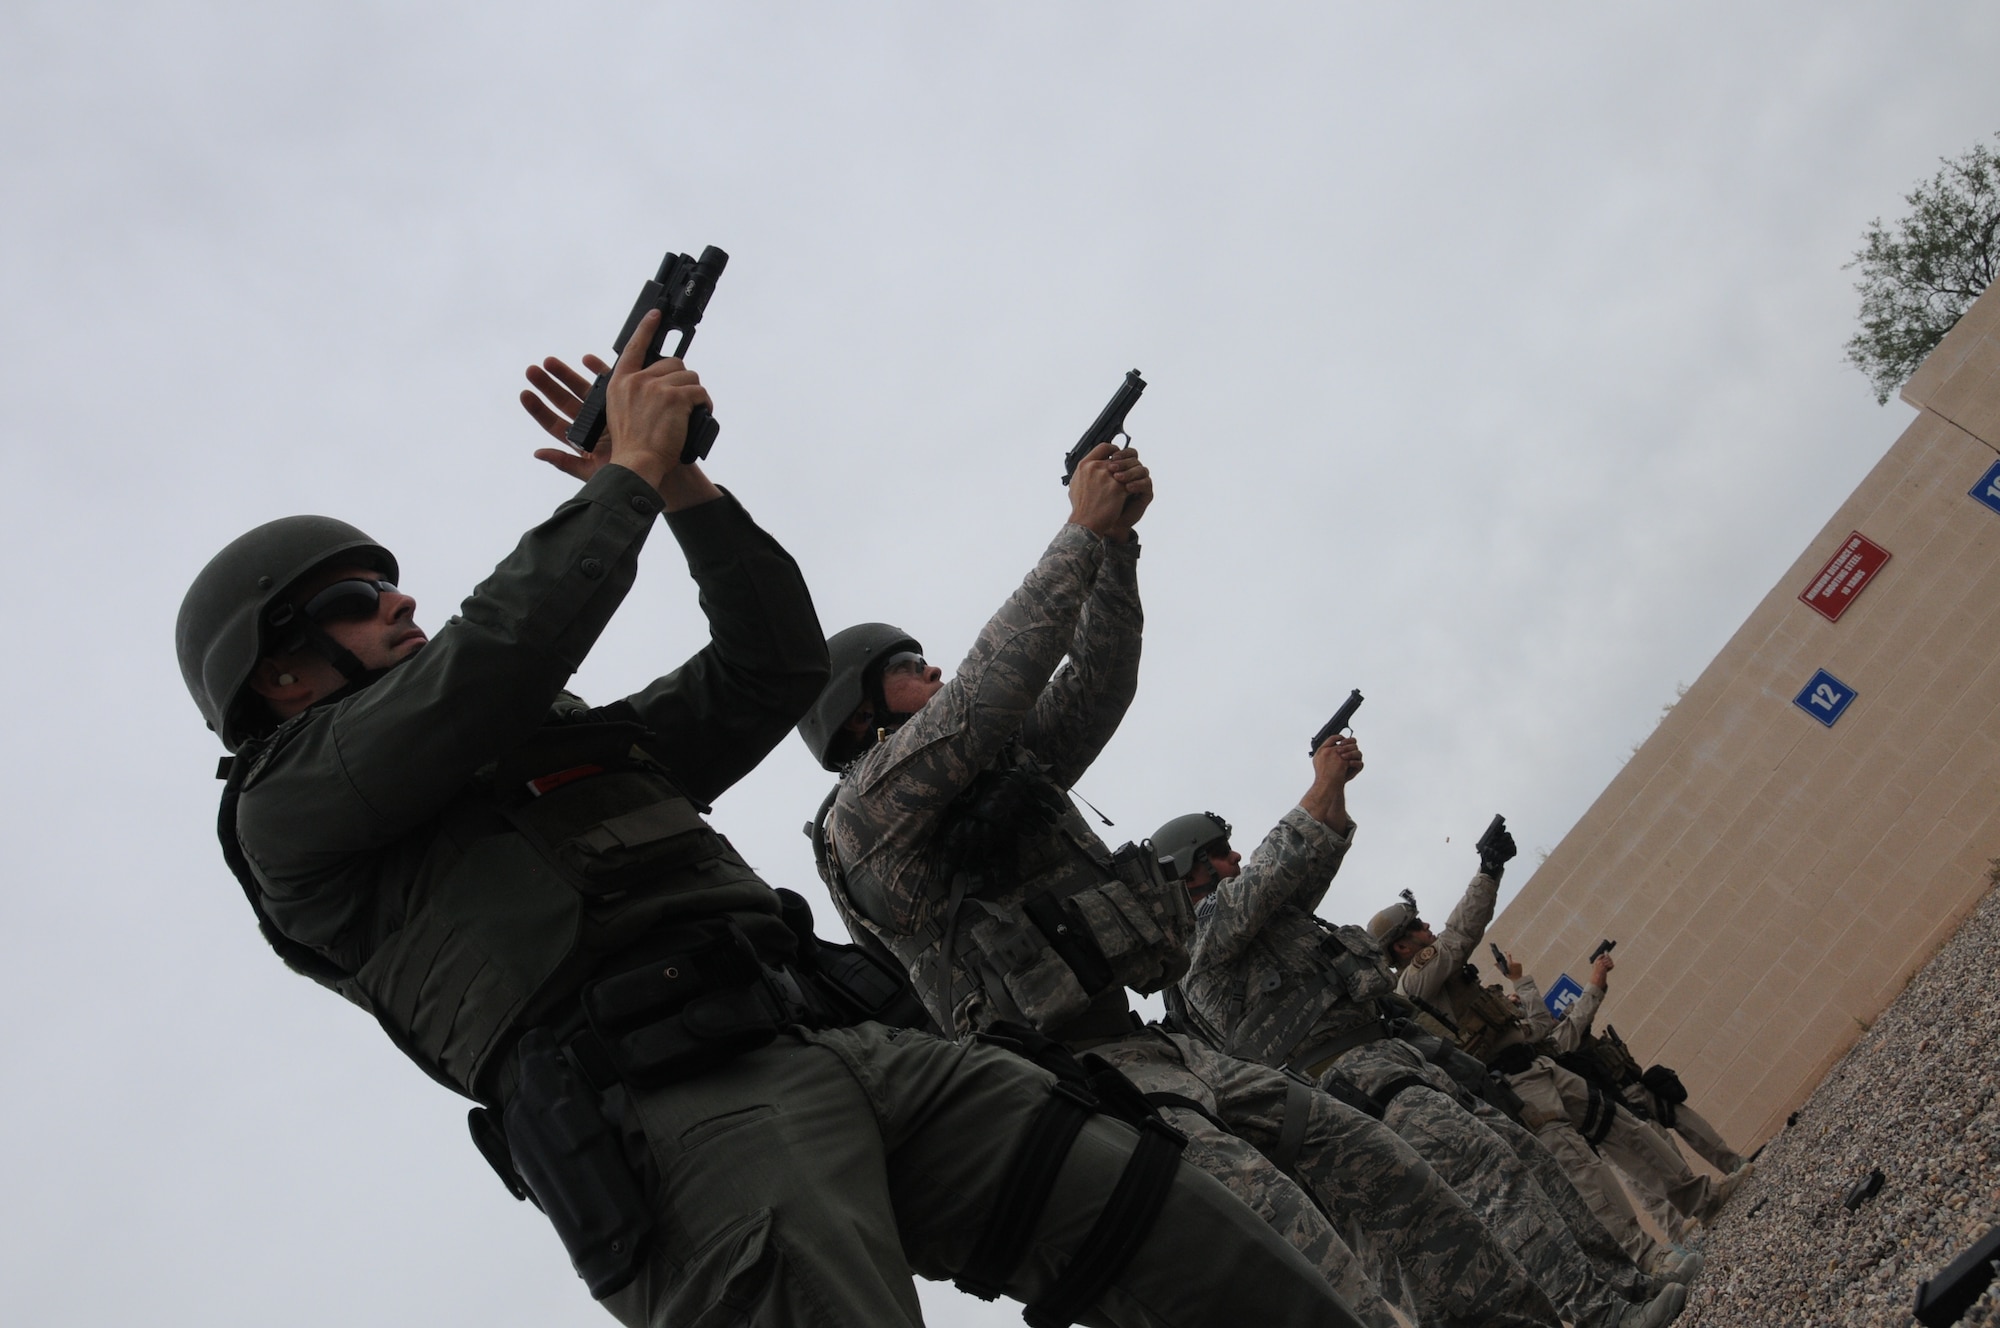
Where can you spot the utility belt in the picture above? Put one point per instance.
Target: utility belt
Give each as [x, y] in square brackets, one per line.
[683, 1004]
[1318, 1057]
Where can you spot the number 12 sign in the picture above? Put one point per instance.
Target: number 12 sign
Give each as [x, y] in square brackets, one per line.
[1825, 698]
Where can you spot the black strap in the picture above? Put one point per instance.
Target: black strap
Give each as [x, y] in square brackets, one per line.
[1434, 1013]
[1128, 1218]
[1292, 1134]
[1323, 1053]
[1072, 944]
[1339, 1087]
[1598, 1114]
[1031, 1178]
[1388, 1092]
[1184, 1019]
[1175, 1100]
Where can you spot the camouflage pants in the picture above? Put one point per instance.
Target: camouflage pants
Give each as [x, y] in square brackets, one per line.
[1691, 1126]
[1484, 1169]
[1559, 1102]
[1695, 1133]
[1360, 1172]
[1596, 1241]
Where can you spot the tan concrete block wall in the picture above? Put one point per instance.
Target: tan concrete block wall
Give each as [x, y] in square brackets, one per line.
[1773, 883]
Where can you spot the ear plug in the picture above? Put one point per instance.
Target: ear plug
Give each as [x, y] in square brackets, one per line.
[286, 680]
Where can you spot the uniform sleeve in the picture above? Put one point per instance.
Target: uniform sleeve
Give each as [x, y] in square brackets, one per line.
[1427, 974]
[720, 713]
[1294, 865]
[894, 797]
[1078, 712]
[1570, 1030]
[1536, 1020]
[362, 772]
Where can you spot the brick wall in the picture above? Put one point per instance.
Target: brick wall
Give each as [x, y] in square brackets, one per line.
[1772, 882]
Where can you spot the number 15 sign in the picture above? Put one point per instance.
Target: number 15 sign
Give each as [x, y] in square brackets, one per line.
[1988, 489]
[1825, 698]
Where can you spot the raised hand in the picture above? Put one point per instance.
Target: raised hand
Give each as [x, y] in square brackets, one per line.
[1097, 496]
[562, 392]
[1130, 472]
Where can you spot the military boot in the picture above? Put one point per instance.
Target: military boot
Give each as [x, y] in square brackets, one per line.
[1675, 1264]
[1661, 1310]
[1721, 1192]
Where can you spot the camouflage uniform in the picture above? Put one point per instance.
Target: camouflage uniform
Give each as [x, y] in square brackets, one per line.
[1281, 986]
[1568, 1035]
[896, 874]
[1559, 1101]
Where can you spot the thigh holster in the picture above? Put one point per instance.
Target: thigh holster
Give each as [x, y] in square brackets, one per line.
[1082, 1089]
[553, 1144]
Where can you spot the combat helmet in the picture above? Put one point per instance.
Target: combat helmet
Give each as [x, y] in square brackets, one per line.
[1388, 926]
[1184, 836]
[220, 634]
[854, 653]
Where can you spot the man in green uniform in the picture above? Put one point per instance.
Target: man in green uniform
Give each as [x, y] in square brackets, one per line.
[951, 842]
[522, 890]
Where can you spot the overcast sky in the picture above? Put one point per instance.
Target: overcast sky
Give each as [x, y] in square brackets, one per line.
[1495, 364]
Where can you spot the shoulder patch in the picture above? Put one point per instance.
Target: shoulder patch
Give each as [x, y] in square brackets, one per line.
[1423, 956]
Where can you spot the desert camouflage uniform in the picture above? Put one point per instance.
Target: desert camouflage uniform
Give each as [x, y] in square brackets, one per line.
[1283, 987]
[1567, 1035]
[889, 834]
[1558, 1100]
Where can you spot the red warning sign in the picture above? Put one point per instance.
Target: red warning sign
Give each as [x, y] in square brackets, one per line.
[1852, 566]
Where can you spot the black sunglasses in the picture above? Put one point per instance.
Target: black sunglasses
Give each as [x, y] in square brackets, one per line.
[347, 601]
[343, 601]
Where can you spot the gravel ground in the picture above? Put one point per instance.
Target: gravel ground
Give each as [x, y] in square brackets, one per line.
[1917, 1098]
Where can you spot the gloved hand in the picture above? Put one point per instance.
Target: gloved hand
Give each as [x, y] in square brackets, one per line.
[1495, 852]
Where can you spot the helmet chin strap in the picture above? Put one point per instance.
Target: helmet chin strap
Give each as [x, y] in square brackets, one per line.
[885, 721]
[344, 661]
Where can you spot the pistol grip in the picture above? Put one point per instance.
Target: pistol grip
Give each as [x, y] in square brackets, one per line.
[587, 428]
[702, 429]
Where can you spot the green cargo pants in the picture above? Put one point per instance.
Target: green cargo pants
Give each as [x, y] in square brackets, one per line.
[803, 1184]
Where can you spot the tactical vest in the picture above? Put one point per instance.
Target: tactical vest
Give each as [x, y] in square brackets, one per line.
[1280, 1015]
[1041, 922]
[573, 848]
[1479, 1019]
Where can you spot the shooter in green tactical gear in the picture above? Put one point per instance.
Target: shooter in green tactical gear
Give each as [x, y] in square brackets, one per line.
[523, 890]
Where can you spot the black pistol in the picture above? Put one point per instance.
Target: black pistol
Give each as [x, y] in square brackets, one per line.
[1110, 422]
[1491, 839]
[1341, 719]
[1499, 957]
[680, 291]
[1603, 948]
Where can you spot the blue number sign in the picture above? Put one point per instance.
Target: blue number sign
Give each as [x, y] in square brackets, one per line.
[1825, 698]
[1561, 995]
[1988, 489]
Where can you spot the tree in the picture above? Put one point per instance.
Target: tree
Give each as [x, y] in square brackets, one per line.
[1920, 275]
